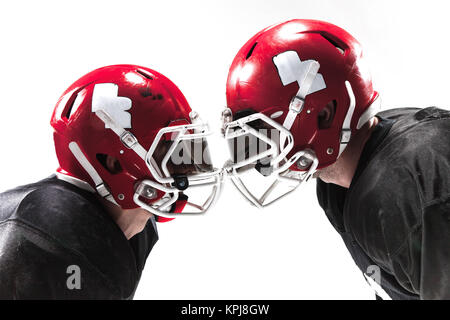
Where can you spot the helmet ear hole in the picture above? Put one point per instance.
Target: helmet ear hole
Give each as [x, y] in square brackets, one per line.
[111, 164]
[326, 115]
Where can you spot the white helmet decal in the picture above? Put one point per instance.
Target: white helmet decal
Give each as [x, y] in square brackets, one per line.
[105, 97]
[292, 69]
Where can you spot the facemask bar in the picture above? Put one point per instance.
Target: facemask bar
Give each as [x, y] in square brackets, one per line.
[287, 176]
[147, 188]
[278, 162]
[201, 131]
[305, 159]
[230, 132]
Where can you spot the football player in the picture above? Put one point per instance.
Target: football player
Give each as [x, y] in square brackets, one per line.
[300, 104]
[130, 151]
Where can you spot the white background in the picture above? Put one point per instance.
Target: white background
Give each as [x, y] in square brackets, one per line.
[235, 252]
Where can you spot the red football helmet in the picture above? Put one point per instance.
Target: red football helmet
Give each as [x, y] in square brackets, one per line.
[279, 82]
[139, 118]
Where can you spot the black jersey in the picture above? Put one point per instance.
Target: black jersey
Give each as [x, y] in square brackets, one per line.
[396, 213]
[51, 231]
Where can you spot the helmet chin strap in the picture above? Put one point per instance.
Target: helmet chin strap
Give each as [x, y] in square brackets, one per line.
[84, 162]
[305, 73]
[75, 181]
[131, 142]
[298, 101]
[346, 132]
[370, 112]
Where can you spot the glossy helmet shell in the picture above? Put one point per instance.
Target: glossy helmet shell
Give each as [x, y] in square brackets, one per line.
[254, 82]
[155, 102]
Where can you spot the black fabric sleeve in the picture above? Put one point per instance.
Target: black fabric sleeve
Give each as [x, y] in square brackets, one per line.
[428, 246]
[435, 279]
[410, 237]
[35, 266]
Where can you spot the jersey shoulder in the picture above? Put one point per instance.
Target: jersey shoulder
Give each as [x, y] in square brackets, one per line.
[59, 209]
[416, 147]
[407, 170]
[75, 220]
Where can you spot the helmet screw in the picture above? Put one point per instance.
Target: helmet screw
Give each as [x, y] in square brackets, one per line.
[303, 162]
[308, 111]
[193, 115]
[121, 151]
[121, 196]
[330, 150]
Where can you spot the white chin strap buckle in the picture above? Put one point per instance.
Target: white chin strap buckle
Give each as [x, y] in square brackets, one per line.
[102, 190]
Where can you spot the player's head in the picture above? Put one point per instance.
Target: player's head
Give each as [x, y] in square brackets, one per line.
[297, 92]
[128, 133]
